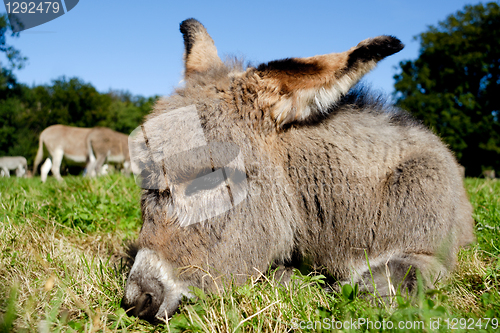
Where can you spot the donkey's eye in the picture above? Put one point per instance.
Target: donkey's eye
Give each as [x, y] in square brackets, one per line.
[235, 175]
[204, 181]
[208, 179]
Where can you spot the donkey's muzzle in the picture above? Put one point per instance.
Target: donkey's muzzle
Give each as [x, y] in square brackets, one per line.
[146, 302]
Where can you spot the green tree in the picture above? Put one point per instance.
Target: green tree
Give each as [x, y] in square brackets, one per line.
[127, 111]
[25, 112]
[16, 60]
[10, 93]
[67, 101]
[454, 85]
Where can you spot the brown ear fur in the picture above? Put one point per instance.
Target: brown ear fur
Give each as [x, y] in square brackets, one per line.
[200, 53]
[300, 89]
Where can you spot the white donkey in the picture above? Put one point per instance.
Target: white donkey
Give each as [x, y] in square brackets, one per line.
[17, 163]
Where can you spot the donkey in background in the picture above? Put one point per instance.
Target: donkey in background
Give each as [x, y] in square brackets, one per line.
[61, 141]
[105, 144]
[333, 174]
[17, 163]
[89, 147]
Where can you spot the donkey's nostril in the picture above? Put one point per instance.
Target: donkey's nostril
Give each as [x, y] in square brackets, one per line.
[144, 300]
[146, 306]
[143, 304]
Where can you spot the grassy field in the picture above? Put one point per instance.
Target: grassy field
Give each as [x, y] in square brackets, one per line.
[63, 267]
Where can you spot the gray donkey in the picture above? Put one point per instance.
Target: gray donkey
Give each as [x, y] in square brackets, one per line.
[246, 169]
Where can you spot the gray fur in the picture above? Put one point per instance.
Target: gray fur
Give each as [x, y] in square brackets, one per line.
[363, 177]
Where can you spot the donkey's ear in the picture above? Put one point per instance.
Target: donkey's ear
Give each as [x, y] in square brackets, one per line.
[300, 89]
[200, 53]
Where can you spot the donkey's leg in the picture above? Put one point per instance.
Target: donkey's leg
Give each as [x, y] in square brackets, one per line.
[5, 172]
[20, 171]
[417, 229]
[44, 170]
[90, 167]
[99, 163]
[283, 275]
[398, 274]
[56, 163]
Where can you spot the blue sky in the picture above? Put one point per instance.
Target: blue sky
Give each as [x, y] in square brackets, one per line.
[137, 46]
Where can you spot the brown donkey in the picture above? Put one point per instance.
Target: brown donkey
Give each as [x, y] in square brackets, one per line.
[246, 169]
[106, 145]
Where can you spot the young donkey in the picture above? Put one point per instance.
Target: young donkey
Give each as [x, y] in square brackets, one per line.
[322, 172]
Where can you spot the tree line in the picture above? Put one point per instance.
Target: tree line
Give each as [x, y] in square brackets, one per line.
[26, 111]
[454, 85]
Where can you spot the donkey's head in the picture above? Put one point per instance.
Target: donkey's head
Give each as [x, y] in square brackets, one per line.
[215, 196]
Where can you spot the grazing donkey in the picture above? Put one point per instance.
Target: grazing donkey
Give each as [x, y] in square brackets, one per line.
[62, 141]
[106, 144]
[17, 163]
[312, 169]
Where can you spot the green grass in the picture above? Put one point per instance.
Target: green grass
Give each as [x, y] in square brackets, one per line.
[63, 268]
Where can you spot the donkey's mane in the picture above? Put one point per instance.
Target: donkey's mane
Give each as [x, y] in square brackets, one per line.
[362, 98]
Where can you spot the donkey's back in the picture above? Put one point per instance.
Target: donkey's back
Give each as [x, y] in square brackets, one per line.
[372, 180]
